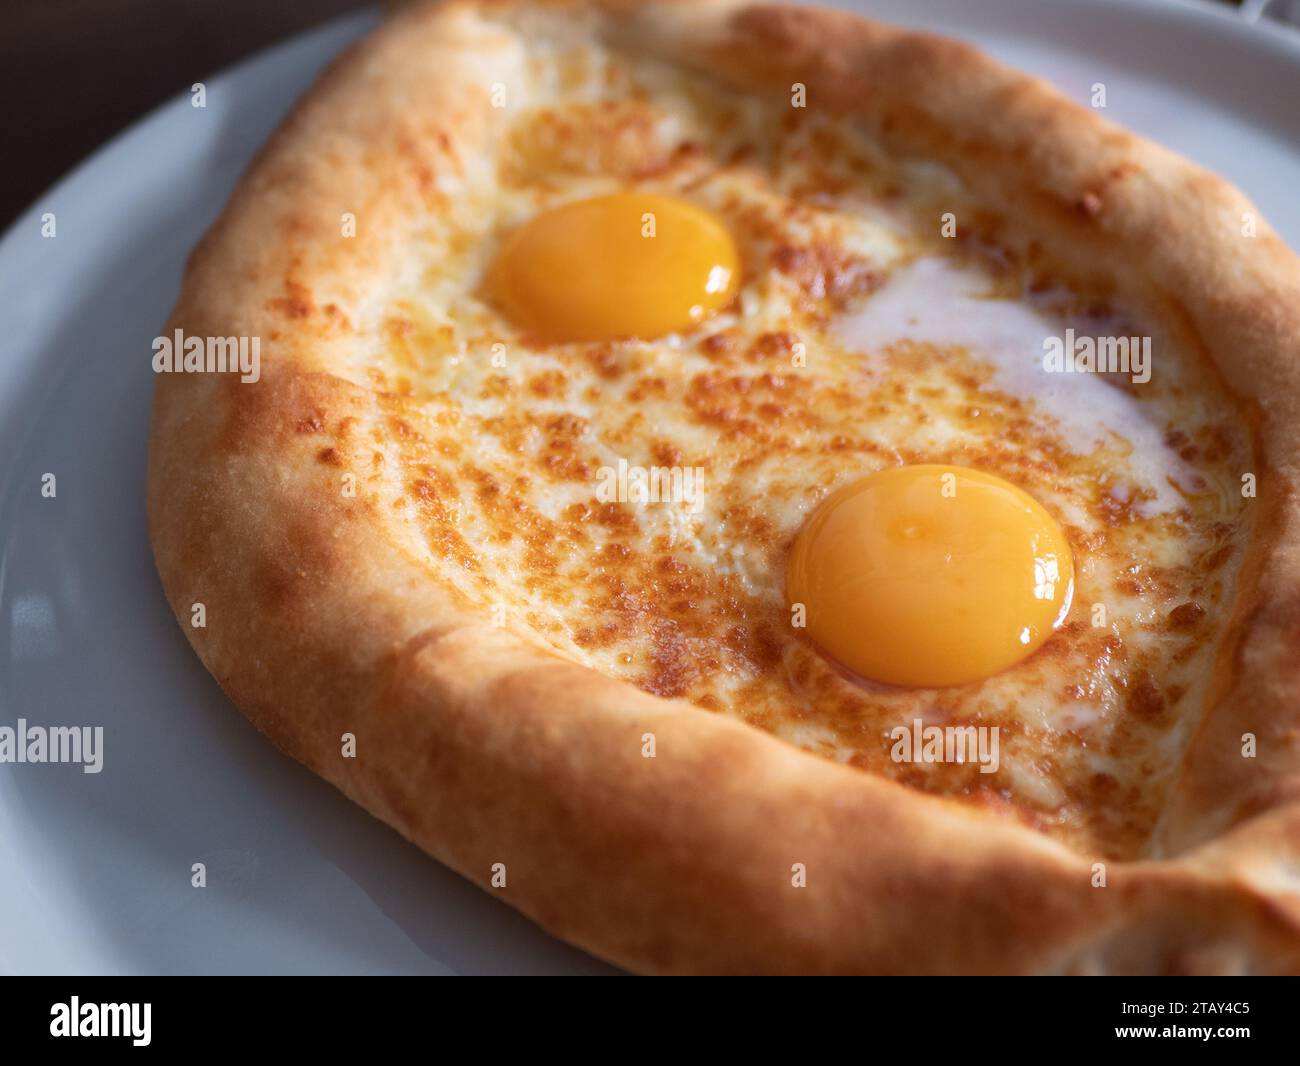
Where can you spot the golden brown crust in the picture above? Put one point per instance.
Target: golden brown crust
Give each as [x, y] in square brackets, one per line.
[484, 747]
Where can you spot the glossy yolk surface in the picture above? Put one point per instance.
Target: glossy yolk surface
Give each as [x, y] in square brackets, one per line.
[930, 575]
[625, 265]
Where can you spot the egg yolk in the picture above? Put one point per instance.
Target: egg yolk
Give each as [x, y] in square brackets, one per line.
[627, 265]
[930, 575]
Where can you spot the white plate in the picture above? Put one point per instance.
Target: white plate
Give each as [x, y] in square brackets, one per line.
[95, 869]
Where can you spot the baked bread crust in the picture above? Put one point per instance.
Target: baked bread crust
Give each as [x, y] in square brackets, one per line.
[482, 745]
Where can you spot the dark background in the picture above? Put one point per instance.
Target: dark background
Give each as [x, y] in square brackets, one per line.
[75, 72]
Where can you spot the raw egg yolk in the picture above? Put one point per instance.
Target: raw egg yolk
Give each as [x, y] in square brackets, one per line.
[627, 265]
[930, 575]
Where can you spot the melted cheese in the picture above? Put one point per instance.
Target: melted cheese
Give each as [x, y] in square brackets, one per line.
[859, 340]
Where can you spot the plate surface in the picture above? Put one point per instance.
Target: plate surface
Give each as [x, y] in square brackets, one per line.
[95, 869]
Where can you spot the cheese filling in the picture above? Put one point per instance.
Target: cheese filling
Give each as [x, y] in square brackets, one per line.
[634, 500]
